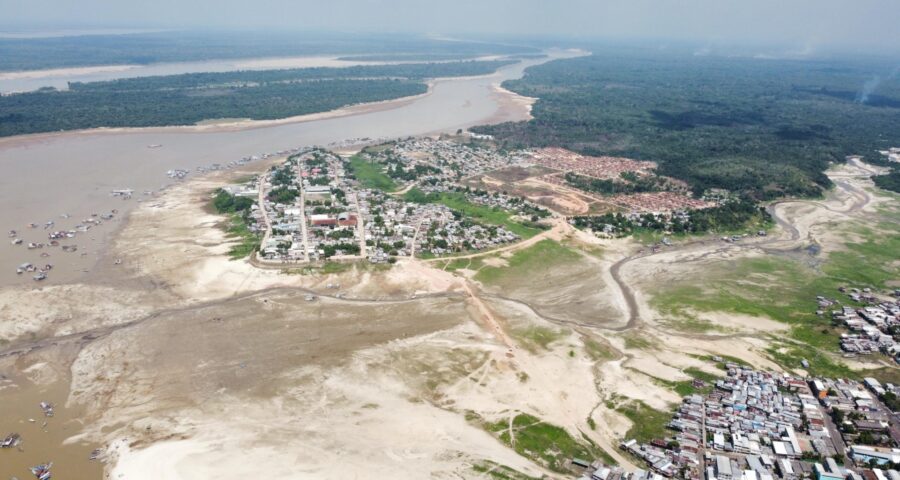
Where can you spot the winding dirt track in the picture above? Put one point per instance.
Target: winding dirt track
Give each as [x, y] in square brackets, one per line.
[856, 201]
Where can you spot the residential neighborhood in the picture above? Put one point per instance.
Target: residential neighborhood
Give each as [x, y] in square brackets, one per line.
[316, 206]
[757, 425]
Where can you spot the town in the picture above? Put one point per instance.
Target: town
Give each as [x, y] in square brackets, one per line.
[763, 425]
[321, 206]
[872, 322]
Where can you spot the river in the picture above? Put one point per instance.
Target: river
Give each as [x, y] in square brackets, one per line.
[59, 78]
[72, 173]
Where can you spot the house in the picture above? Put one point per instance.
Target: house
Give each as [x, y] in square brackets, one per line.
[881, 456]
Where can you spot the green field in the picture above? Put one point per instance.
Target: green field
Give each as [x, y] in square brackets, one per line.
[547, 444]
[236, 229]
[371, 175]
[686, 387]
[529, 262]
[785, 289]
[485, 214]
[647, 422]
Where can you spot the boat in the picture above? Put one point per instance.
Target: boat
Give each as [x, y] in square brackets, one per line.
[10, 441]
[17, 241]
[40, 276]
[42, 471]
[154, 145]
[47, 408]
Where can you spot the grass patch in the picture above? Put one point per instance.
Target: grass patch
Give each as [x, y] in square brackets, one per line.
[531, 261]
[791, 356]
[485, 214]
[647, 422]
[371, 174]
[724, 359]
[453, 265]
[692, 324]
[248, 242]
[785, 290]
[634, 341]
[500, 472]
[598, 351]
[535, 337]
[547, 444]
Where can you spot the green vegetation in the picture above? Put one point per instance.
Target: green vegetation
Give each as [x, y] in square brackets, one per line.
[371, 174]
[635, 341]
[766, 128]
[725, 358]
[647, 422]
[489, 215]
[686, 387]
[534, 337]
[225, 202]
[499, 472]
[890, 181]
[237, 229]
[785, 290]
[529, 262]
[455, 264]
[191, 98]
[283, 195]
[648, 183]
[548, 444]
[733, 215]
[599, 352]
[173, 46]
[46, 111]
[480, 213]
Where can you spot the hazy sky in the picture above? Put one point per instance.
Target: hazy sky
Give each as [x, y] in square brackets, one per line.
[799, 24]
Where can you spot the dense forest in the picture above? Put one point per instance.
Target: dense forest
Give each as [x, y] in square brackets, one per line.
[763, 127]
[413, 71]
[891, 181]
[146, 48]
[191, 98]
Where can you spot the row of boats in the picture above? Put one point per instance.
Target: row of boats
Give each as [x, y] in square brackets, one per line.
[54, 239]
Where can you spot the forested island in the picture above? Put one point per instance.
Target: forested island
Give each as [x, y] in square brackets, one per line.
[174, 46]
[190, 98]
[763, 127]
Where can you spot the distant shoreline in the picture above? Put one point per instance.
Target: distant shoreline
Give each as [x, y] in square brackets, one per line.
[212, 126]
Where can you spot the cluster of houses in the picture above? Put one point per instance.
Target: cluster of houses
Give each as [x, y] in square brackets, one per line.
[892, 154]
[309, 209]
[758, 425]
[313, 209]
[871, 326]
[454, 160]
[394, 227]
